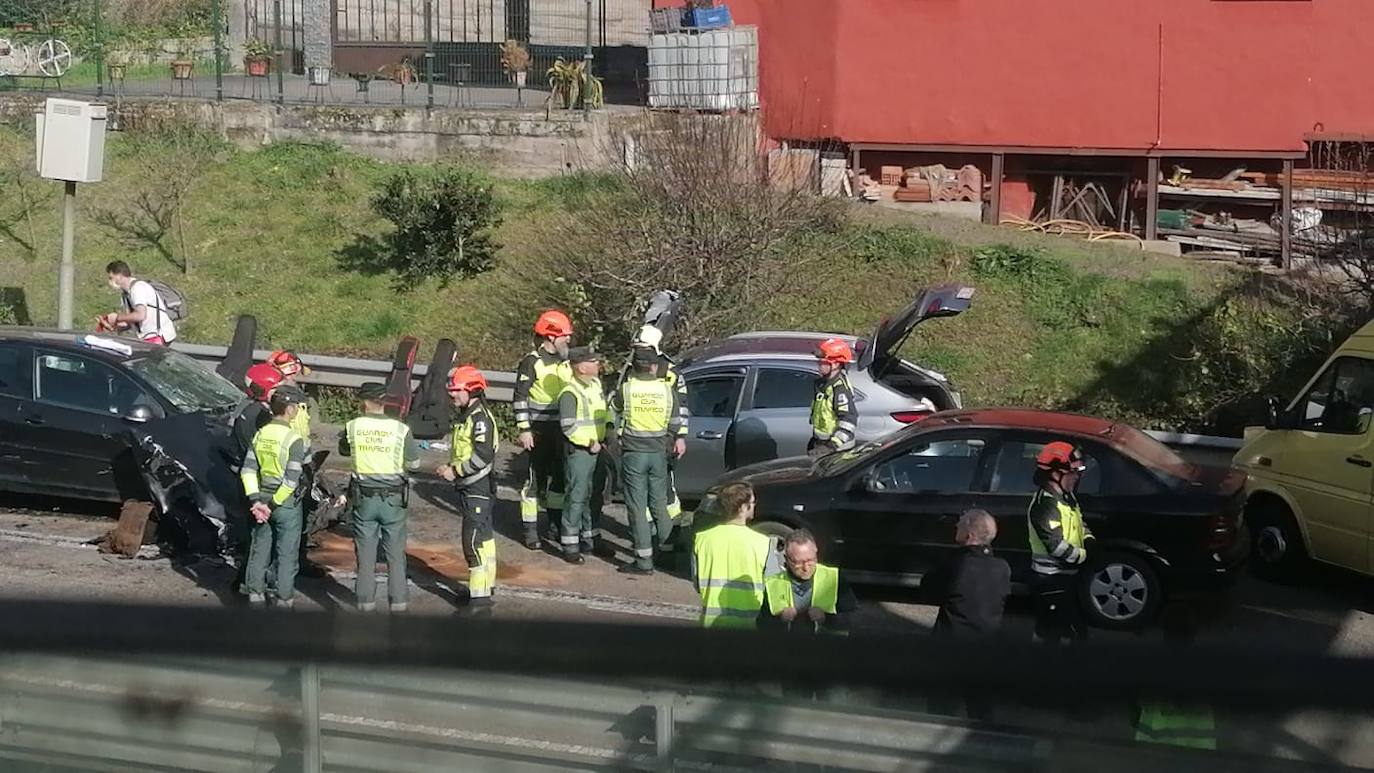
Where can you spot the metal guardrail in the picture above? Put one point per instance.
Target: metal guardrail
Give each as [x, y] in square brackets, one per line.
[351, 373]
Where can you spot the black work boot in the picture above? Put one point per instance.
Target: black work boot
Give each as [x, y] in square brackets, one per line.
[532, 536]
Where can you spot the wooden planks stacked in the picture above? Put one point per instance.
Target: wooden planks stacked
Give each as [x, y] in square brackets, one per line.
[1315, 178]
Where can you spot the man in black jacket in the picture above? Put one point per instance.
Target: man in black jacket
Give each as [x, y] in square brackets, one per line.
[977, 583]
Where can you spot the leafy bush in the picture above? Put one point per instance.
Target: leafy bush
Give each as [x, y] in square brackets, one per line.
[443, 220]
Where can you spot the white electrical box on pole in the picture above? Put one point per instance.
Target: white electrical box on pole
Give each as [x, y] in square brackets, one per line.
[70, 143]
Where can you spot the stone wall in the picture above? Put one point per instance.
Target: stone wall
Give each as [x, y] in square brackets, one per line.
[517, 144]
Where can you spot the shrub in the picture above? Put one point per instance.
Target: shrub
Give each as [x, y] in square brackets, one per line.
[442, 224]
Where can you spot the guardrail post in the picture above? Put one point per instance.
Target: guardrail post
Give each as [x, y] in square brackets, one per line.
[281, 55]
[313, 759]
[217, 19]
[663, 730]
[429, 55]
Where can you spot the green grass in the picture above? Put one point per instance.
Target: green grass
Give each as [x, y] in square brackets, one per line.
[1055, 323]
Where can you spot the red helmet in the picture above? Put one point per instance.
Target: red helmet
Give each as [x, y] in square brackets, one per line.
[834, 350]
[553, 323]
[261, 379]
[1060, 456]
[467, 378]
[289, 363]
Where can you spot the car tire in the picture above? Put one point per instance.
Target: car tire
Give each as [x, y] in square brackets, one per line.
[775, 531]
[1277, 552]
[1120, 591]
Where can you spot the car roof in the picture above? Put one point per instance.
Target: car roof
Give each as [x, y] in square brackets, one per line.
[70, 341]
[766, 343]
[1024, 418]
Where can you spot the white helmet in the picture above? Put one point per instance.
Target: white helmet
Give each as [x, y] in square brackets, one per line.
[649, 336]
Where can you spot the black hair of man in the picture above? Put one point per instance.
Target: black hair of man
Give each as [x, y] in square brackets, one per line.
[118, 268]
[281, 400]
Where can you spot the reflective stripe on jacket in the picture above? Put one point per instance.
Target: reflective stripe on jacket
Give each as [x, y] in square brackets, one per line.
[1057, 533]
[474, 444]
[833, 418]
[539, 380]
[272, 468]
[586, 422]
[730, 565]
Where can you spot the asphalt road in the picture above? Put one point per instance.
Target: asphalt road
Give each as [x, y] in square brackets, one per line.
[45, 552]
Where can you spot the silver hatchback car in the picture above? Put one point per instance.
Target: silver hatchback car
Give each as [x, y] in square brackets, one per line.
[750, 394]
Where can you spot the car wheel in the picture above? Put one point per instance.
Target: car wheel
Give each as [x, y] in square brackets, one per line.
[1121, 591]
[775, 531]
[1277, 550]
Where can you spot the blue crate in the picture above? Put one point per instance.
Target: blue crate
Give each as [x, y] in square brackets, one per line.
[709, 18]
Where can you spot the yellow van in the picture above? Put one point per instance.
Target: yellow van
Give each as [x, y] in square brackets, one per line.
[1310, 469]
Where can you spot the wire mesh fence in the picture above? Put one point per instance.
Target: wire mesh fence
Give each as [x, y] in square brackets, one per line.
[431, 52]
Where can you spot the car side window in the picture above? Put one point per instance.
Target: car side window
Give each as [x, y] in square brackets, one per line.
[937, 467]
[1014, 470]
[1341, 401]
[76, 382]
[714, 396]
[12, 372]
[784, 388]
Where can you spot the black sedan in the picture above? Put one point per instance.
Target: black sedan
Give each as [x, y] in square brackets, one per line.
[886, 511]
[106, 418]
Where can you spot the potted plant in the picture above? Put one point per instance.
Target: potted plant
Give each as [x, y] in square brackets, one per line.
[318, 75]
[257, 57]
[515, 59]
[182, 64]
[573, 84]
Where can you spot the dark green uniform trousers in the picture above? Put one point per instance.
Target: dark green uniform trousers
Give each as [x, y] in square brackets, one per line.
[579, 527]
[279, 538]
[646, 501]
[380, 516]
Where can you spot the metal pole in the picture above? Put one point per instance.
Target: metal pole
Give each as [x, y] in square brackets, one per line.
[217, 18]
[276, 11]
[1152, 199]
[587, 63]
[429, 54]
[99, 52]
[1286, 217]
[310, 716]
[66, 275]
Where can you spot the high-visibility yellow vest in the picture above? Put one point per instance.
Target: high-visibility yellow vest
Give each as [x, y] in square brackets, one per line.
[463, 447]
[1070, 520]
[300, 423]
[648, 406]
[592, 414]
[550, 379]
[1172, 724]
[824, 422]
[272, 448]
[730, 561]
[825, 590]
[378, 444]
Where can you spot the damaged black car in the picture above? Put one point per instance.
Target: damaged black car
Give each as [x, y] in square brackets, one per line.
[104, 418]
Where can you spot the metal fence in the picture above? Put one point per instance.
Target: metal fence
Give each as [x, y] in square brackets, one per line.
[416, 52]
[114, 687]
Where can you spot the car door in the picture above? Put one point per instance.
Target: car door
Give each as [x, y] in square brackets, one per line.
[898, 516]
[775, 419]
[1009, 484]
[77, 430]
[14, 398]
[713, 398]
[1327, 461]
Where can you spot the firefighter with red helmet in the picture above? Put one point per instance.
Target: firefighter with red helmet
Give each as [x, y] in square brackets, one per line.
[1059, 540]
[539, 380]
[253, 414]
[834, 419]
[289, 364]
[474, 446]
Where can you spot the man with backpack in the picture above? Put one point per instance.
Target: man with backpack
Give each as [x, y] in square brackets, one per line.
[150, 309]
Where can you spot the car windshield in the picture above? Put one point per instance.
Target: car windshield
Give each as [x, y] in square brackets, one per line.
[1150, 452]
[843, 460]
[190, 386]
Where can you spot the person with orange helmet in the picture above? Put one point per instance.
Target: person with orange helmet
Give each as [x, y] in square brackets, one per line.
[539, 379]
[474, 445]
[289, 364]
[260, 382]
[1059, 540]
[834, 419]
[384, 452]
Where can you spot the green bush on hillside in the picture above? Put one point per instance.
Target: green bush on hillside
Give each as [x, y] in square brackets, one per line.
[443, 221]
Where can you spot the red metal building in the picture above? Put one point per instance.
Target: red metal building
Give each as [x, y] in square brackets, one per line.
[1008, 80]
